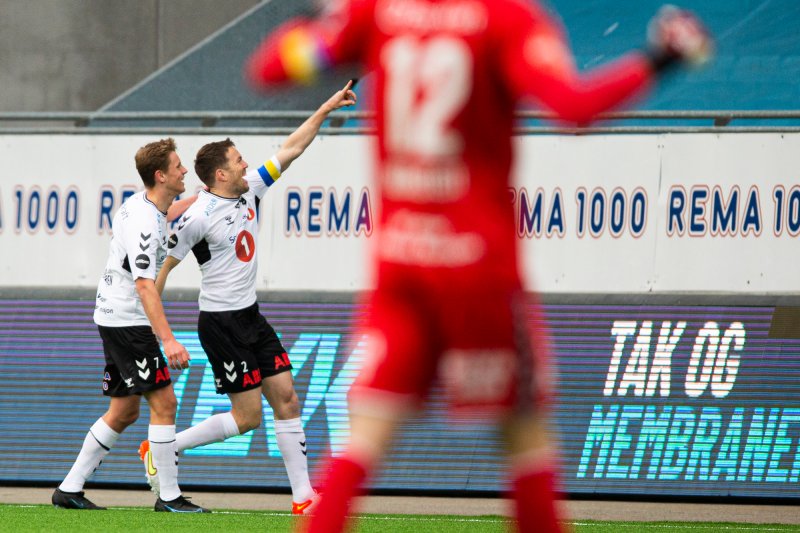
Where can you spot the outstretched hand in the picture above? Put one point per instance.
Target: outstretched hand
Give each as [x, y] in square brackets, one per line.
[343, 98]
[678, 34]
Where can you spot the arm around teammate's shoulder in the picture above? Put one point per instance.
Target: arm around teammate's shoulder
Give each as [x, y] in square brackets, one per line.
[161, 280]
[178, 207]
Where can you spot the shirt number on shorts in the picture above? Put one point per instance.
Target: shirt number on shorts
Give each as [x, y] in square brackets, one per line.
[245, 246]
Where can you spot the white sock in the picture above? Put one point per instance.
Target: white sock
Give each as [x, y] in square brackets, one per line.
[96, 446]
[292, 444]
[165, 459]
[213, 429]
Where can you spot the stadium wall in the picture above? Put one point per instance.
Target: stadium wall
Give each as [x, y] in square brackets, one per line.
[665, 263]
[78, 55]
[616, 214]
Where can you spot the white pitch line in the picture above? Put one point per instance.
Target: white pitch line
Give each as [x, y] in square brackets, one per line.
[410, 518]
[643, 525]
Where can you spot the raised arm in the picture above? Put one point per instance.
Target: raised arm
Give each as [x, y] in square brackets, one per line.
[299, 140]
[538, 63]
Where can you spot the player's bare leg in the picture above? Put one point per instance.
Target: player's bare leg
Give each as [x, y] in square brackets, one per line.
[531, 460]
[370, 435]
[282, 397]
[122, 412]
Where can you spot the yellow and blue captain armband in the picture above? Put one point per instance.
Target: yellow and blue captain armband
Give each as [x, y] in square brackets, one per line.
[270, 171]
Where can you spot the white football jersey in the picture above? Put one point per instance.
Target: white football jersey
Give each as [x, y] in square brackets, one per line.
[221, 232]
[138, 248]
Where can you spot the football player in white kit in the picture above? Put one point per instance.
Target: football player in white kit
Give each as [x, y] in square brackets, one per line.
[131, 320]
[245, 353]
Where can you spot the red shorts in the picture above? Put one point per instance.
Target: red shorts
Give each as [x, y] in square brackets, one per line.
[484, 340]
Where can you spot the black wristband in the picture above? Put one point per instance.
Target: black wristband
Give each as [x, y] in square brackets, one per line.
[661, 60]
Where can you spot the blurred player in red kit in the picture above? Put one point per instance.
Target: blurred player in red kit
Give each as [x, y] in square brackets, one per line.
[449, 302]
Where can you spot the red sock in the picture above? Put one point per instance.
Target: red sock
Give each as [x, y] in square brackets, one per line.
[534, 499]
[341, 484]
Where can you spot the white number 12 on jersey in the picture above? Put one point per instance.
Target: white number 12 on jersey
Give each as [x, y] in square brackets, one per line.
[440, 69]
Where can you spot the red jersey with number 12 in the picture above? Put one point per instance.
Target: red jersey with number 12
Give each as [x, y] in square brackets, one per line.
[448, 77]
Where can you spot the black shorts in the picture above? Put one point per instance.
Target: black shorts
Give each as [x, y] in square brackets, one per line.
[134, 362]
[241, 347]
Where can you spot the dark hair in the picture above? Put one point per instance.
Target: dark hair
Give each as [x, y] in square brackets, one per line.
[211, 157]
[154, 156]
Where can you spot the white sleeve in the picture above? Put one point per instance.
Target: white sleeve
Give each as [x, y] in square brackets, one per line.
[191, 230]
[140, 240]
[261, 179]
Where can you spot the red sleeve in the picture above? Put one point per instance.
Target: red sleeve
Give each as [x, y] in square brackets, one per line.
[299, 49]
[537, 62]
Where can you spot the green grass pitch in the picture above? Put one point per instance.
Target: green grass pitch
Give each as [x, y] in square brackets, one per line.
[130, 519]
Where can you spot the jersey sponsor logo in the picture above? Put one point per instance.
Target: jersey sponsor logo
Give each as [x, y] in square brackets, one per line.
[282, 361]
[252, 378]
[229, 220]
[419, 239]
[173, 241]
[142, 261]
[250, 214]
[162, 374]
[183, 222]
[210, 207]
[245, 246]
[446, 182]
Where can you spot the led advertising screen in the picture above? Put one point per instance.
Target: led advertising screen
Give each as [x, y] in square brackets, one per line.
[677, 401]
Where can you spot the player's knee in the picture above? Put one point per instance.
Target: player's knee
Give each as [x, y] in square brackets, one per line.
[287, 406]
[163, 405]
[170, 407]
[247, 419]
[119, 419]
[126, 418]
